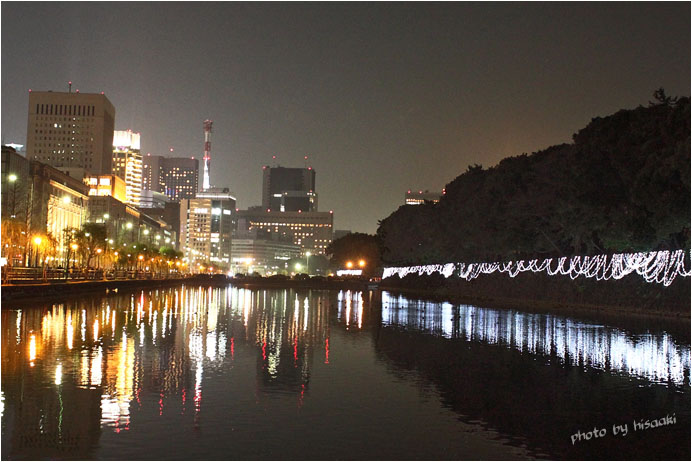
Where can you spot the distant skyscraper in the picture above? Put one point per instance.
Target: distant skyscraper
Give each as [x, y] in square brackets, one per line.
[72, 132]
[206, 226]
[289, 189]
[127, 163]
[176, 177]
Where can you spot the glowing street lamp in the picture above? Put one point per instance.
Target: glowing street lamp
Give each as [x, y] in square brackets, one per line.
[307, 255]
[361, 263]
[37, 241]
[74, 248]
[298, 266]
[349, 264]
[13, 179]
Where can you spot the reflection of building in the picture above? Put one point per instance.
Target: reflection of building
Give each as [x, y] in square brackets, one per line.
[106, 185]
[71, 131]
[206, 224]
[88, 366]
[127, 163]
[420, 197]
[289, 189]
[312, 231]
[176, 177]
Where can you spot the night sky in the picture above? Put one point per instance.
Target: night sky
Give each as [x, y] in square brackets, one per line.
[381, 97]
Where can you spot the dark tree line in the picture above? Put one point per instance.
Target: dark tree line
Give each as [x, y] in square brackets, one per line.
[622, 185]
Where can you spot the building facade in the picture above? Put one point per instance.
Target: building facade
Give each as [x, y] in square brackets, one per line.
[289, 189]
[58, 202]
[206, 227]
[312, 231]
[420, 197]
[127, 163]
[106, 185]
[15, 176]
[168, 212]
[263, 256]
[176, 177]
[72, 132]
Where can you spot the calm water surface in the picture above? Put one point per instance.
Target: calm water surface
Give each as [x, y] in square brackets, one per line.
[228, 373]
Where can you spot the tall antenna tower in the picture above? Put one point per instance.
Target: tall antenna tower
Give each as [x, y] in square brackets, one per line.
[207, 154]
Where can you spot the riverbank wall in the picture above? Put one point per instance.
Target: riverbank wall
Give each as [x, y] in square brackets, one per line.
[630, 295]
[58, 291]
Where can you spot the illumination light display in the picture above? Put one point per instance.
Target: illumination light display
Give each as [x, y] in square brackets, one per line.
[661, 267]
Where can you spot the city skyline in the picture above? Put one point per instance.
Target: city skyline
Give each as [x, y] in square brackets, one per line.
[381, 98]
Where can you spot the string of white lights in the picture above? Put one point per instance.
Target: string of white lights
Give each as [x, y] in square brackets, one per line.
[661, 267]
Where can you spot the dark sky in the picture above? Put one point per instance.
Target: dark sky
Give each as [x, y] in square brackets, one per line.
[382, 97]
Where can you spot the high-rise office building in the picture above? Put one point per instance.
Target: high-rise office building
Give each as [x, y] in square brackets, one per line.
[127, 163]
[312, 231]
[206, 225]
[176, 177]
[289, 189]
[72, 132]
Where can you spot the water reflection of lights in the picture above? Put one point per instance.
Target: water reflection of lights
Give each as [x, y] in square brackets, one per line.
[347, 300]
[654, 357]
[199, 332]
[58, 374]
[19, 323]
[32, 349]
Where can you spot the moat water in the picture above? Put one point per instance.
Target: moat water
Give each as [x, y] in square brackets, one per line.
[229, 373]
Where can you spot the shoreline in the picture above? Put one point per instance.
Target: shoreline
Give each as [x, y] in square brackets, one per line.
[20, 294]
[53, 292]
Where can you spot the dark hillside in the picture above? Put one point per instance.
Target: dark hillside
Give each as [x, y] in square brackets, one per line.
[622, 185]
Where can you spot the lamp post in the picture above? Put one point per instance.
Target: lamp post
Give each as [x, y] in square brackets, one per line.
[307, 260]
[37, 242]
[74, 248]
[132, 234]
[13, 179]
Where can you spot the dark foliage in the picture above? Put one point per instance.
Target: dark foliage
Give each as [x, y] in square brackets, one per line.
[622, 185]
[355, 247]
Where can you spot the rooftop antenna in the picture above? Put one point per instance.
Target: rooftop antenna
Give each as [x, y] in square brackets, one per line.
[69, 86]
[275, 162]
[207, 154]
[306, 161]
